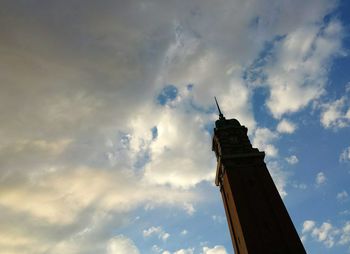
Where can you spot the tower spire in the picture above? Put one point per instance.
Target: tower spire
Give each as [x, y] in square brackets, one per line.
[221, 116]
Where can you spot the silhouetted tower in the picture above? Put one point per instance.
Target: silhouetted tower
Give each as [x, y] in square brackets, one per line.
[257, 218]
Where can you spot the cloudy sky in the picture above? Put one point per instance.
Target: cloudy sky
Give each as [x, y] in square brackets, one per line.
[107, 113]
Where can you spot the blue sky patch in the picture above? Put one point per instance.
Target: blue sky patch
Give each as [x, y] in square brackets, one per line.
[154, 131]
[168, 93]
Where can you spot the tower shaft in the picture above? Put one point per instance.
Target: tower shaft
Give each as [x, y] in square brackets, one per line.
[257, 218]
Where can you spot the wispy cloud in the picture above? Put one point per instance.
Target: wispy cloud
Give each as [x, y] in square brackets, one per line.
[342, 196]
[286, 126]
[215, 250]
[293, 159]
[158, 231]
[327, 233]
[336, 114]
[345, 155]
[320, 178]
[263, 139]
[121, 245]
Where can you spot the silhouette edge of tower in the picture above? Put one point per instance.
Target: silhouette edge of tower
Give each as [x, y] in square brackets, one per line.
[257, 217]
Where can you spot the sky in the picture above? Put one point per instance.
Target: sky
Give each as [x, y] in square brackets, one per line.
[107, 114]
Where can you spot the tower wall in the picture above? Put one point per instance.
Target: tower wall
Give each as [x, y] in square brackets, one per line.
[257, 218]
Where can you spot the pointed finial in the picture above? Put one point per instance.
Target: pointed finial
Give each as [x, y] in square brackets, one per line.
[221, 116]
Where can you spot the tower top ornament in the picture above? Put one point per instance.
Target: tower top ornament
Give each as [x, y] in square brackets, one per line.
[221, 116]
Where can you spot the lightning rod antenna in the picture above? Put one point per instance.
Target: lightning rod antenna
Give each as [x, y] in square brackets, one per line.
[221, 116]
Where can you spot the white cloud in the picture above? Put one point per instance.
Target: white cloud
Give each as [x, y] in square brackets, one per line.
[292, 159]
[121, 245]
[308, 225]
[345, 234]
[301, 186]
[156, 249]
[336, 114]
[218, 249]
[263, 139]
[185, 251]
[184, 232]
[320, 178]
[60, 200]
[109, 190]
[342, 196]
[285, 126]
[152, 230]
[156, 231]
[345, 212]
[279, 177]
[218, 218]
[303, 238]
[165, 236]
[298, 74]
[177, 154]
[235, 103]
[345, 155]
[189, 208]
[327, 233]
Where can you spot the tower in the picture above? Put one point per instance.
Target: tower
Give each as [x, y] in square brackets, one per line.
[257, 218]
